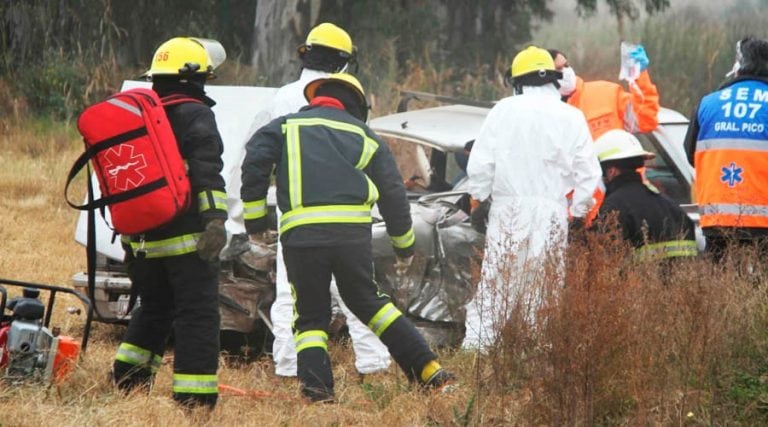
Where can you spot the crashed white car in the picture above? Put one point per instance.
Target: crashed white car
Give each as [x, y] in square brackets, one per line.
[447, 248]
[428, 144]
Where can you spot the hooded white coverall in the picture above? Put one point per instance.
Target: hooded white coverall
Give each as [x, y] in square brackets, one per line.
[532, 150]
[371, 354]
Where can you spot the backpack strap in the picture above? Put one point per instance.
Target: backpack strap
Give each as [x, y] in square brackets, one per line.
[177, 98]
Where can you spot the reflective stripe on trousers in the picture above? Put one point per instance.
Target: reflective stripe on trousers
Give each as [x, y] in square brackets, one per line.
[383, 318]
[311, 339]
[195, 384]
[134, 355]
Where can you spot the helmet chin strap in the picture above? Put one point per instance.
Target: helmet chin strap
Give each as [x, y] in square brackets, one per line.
[189, 68]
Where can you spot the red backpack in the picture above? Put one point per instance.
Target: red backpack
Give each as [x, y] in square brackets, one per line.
[133, 150]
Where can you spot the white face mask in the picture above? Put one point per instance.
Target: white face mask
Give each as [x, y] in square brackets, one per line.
[737, 64]
[568, 82]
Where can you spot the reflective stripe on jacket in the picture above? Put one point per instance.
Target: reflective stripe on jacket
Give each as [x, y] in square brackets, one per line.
[200, 145]
[670, 249]
[331, 169]
[179, 245]
[731, 156]
[655, 225]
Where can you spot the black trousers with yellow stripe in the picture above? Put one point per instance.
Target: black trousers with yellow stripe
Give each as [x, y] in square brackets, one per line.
[180, 293]
[309, 271]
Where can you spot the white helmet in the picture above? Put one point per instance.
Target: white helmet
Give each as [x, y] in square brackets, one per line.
[619, 144]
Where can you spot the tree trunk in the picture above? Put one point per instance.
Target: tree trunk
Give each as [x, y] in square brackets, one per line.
[280, 27]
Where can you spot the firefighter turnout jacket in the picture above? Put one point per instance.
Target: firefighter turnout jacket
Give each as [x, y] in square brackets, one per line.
[178, 289]
[727, 143]
[651, 222]
[331, 169]
[607, 106]
[201, 148]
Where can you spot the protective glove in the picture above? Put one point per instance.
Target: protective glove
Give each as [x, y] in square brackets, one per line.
[639, 55]
[212, 240]
[402, 265]
[478, 218]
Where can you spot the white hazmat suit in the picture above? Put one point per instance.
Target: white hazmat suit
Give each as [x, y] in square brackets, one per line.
[371, 354]
[532, 150]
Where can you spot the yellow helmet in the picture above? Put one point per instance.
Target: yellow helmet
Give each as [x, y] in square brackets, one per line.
[344, 78]
[328, 35]
[532, 60]
[358, 109]
[187, 56]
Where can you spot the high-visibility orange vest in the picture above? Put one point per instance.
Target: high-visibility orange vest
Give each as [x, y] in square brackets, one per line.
[731, 157]
[606, 105]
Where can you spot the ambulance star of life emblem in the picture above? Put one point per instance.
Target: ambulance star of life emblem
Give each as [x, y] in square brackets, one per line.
[124, 167]
[731, 175]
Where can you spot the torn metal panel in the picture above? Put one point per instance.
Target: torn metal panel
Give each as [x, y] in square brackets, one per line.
[440, 281]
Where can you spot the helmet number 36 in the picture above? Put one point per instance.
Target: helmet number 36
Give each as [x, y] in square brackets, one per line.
[161, 56]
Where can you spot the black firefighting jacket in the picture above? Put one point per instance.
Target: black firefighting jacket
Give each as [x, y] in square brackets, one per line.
[655, 225]
[197, 135]
[330, 170]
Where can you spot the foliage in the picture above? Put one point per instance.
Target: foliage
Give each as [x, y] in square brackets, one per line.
[62, 55]
[624, 8]
[691, 47]
[632, 343]
[692, 50]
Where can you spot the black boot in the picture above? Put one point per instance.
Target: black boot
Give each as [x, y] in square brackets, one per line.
[129, 377]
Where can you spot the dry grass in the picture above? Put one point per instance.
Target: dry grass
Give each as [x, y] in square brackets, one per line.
[621, 343]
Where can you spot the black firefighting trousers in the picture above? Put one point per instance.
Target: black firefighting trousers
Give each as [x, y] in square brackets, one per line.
[309, 272]
[179, 292]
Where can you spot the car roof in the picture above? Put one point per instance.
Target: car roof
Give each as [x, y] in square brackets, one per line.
[668, 117]
[449, 127]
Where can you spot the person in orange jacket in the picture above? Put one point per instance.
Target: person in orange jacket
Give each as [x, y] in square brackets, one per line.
[607, 105]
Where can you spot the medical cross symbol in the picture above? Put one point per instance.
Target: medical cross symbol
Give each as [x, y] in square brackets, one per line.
[731, 175]
[123, 167]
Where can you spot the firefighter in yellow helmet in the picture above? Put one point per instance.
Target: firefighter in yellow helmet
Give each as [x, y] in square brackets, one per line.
[174, 266]
[549, 144]
[331, 169]
[327, 49]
